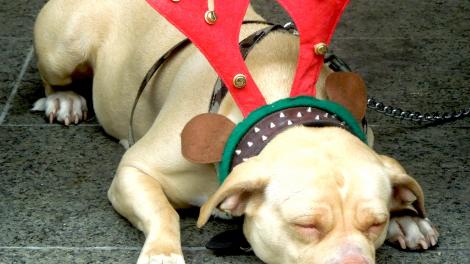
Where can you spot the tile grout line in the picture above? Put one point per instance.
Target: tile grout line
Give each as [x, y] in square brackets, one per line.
[104, 248]
[19, 79]
[69, 248]
[48, 125]
[109, 248]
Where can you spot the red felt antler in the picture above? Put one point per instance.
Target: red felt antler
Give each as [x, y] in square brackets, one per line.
[316, 21]
[218, 41]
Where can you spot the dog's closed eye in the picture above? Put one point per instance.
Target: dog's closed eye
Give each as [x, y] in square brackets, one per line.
[374, 223]
[311, 227]
[307, 231]
[376, 228]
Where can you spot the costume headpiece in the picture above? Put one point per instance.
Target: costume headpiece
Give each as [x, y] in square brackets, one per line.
[214, 27]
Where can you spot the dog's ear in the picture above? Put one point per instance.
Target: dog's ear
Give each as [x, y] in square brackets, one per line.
[203, 138]
[233, 196]
[349, 90]
[407, 195]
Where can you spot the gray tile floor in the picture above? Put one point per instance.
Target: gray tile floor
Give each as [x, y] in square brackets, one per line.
[53, 179]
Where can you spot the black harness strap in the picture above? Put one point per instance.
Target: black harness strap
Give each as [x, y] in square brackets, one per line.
[147, 78]
[179, 46]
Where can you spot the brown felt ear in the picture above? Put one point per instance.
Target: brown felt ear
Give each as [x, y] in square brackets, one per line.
[349, 90]
[203, 138]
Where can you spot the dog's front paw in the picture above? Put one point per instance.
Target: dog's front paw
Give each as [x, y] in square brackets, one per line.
[413, 233]
[159, 250]
[160, 259]
[65, 107]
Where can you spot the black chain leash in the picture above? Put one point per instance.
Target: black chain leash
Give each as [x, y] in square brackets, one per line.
[414, 116]
[338, 64]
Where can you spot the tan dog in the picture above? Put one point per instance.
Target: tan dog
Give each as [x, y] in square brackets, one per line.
[313, 195]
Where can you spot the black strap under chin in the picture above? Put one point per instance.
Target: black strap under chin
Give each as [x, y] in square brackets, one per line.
[230, 242]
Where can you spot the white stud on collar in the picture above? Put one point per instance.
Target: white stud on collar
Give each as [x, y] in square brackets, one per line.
[272, 125]
[309, 109]
[282, 115]
[317, 117]
[238, 152]
[249, 143]
[326, 115]
[257, 130]
[264, 138]
[299, 114]
[289, 123]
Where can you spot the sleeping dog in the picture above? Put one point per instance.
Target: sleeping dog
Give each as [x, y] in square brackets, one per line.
[313, 195]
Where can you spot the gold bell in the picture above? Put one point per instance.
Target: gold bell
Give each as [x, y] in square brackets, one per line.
[239, 81]
[321, 48]
[210, 17]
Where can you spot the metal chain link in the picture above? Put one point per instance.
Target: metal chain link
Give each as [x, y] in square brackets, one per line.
[337, 64]
[415, 116]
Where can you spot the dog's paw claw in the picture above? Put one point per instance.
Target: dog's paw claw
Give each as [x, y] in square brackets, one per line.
[402, 242]
[423, 244]
[67, 120]
[66, 107]
[51, 118]
[413, 233]
[161, 259]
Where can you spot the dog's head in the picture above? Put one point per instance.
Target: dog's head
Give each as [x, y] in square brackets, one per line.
[313, 194]
[316, 195]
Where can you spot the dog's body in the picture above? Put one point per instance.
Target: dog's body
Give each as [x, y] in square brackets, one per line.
[332, 207]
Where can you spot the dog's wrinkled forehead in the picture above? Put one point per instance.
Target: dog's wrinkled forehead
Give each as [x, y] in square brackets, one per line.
[326, 192]
[299, 166]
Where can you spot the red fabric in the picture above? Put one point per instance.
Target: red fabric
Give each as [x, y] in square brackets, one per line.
[316, 21]
[218, 42]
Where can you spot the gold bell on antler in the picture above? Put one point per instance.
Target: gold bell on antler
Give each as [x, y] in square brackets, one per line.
[239, 81]
[321, 49]
[210, 17]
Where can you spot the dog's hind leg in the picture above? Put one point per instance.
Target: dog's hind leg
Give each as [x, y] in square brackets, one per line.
[65, 46]
[61, 103]
[141, 199]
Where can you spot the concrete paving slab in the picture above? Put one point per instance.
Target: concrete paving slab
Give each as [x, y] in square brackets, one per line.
[13, 52]
[388, 19]
[17, 17]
